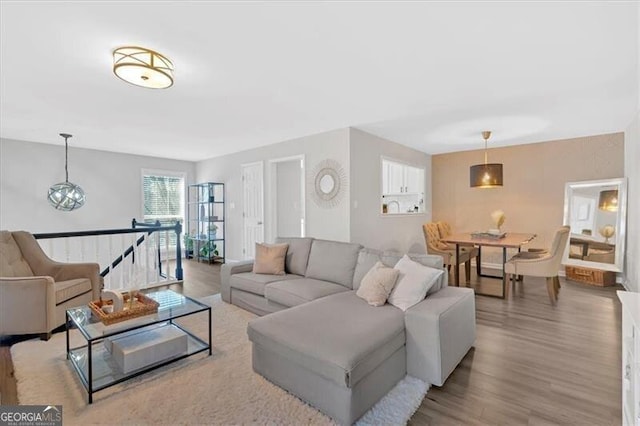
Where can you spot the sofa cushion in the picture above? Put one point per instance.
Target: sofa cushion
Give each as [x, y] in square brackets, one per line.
[315, 337]
[297, 254]
[298, 291]
[254, 283]
[12, 264]
[333, 261]
[367, 258]
[391, 258]
[270, 259]
[67, 290]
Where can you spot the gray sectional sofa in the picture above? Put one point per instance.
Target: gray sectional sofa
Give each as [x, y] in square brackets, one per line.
[320, 341]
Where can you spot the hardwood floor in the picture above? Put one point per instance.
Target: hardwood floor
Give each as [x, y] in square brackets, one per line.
[537, 364]
[532, 364]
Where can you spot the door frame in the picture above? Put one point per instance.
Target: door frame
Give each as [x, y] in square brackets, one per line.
[244, 219]
[272, 209]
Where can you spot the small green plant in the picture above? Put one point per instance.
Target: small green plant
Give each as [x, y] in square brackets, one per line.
[208, 249]
[188, 242]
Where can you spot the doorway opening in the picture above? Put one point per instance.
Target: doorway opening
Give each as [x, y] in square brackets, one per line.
[287, 200]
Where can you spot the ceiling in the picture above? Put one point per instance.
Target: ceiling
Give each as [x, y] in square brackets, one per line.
[427, 75]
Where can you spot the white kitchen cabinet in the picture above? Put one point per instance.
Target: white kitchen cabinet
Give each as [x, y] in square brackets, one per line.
[396, 178]
[399, 178]
[413, 180]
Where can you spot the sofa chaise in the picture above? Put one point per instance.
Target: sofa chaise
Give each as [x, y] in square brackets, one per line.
[320, 341]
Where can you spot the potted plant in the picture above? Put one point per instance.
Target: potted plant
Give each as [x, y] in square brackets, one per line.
[210, 248]
[213, 228]
[188, 246]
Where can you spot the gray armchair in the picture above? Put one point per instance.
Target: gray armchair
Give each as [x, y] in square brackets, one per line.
[35, 291]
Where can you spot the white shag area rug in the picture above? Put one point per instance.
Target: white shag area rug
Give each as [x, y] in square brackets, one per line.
[220, 389]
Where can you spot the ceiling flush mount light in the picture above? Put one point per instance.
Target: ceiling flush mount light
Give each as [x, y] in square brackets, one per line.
[66, 196]
[608, 200]
[143, 67]
[487, 175]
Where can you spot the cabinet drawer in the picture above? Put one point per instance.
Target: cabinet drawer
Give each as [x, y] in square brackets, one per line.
[590, 276]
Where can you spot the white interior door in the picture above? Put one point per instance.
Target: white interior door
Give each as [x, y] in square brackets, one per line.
[253, 208]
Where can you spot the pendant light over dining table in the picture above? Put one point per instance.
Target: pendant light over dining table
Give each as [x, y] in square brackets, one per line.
[66, 196]
[487, 175]
[608, 200]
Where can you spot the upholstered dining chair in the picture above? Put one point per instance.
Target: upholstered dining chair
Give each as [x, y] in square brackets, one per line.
[540, 264]
[444, 229]
[436, 246]
[35, 291]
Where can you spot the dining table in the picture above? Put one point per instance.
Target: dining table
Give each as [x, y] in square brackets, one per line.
[508, 240]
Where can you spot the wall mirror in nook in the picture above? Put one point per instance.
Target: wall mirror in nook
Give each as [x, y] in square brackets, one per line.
[596, 212]
[402, 187]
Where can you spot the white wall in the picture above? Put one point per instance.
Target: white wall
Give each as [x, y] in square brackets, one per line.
[631, 162]
[332, 224]
[112, 182]
[368, 226]
[288, 198]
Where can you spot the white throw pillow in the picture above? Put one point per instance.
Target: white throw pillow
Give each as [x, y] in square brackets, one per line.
[414, 282]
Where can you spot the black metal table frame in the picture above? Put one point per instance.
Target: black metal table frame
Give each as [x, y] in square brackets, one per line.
[503, 277]
[88, 382]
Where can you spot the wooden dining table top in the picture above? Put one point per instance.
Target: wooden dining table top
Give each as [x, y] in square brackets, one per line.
[510, 240]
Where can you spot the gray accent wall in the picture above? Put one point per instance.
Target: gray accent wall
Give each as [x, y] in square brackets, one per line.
[112, 182]
[326, 223]
[368, 226]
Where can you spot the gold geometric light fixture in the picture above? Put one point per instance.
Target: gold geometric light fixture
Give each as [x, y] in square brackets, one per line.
[608, 200]
[143, 67]
[487, 175]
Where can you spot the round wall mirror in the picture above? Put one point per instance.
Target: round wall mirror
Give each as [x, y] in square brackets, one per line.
[326, 184]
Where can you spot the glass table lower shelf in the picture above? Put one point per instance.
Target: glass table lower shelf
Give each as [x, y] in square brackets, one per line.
[94, 361]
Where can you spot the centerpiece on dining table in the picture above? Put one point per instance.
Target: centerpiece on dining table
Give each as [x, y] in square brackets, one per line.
[497, 218]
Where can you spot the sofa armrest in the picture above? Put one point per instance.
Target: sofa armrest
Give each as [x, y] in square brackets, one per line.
[229, 269]
[440, 330]
[69, 271]
[27, 305]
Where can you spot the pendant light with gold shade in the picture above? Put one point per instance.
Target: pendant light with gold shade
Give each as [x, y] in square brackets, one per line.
[487, 175]
[608, 200]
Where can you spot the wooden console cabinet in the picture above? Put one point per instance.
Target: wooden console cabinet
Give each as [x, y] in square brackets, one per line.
[630, 357]
[590, 276]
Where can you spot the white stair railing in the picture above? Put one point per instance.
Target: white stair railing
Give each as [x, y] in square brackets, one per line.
[129, 258]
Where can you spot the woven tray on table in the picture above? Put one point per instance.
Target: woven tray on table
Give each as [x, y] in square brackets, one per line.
[141, 306]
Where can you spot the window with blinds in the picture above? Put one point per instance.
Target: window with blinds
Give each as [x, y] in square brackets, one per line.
[163, 201]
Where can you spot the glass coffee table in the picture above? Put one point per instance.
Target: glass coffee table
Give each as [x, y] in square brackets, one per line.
[95, 362]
